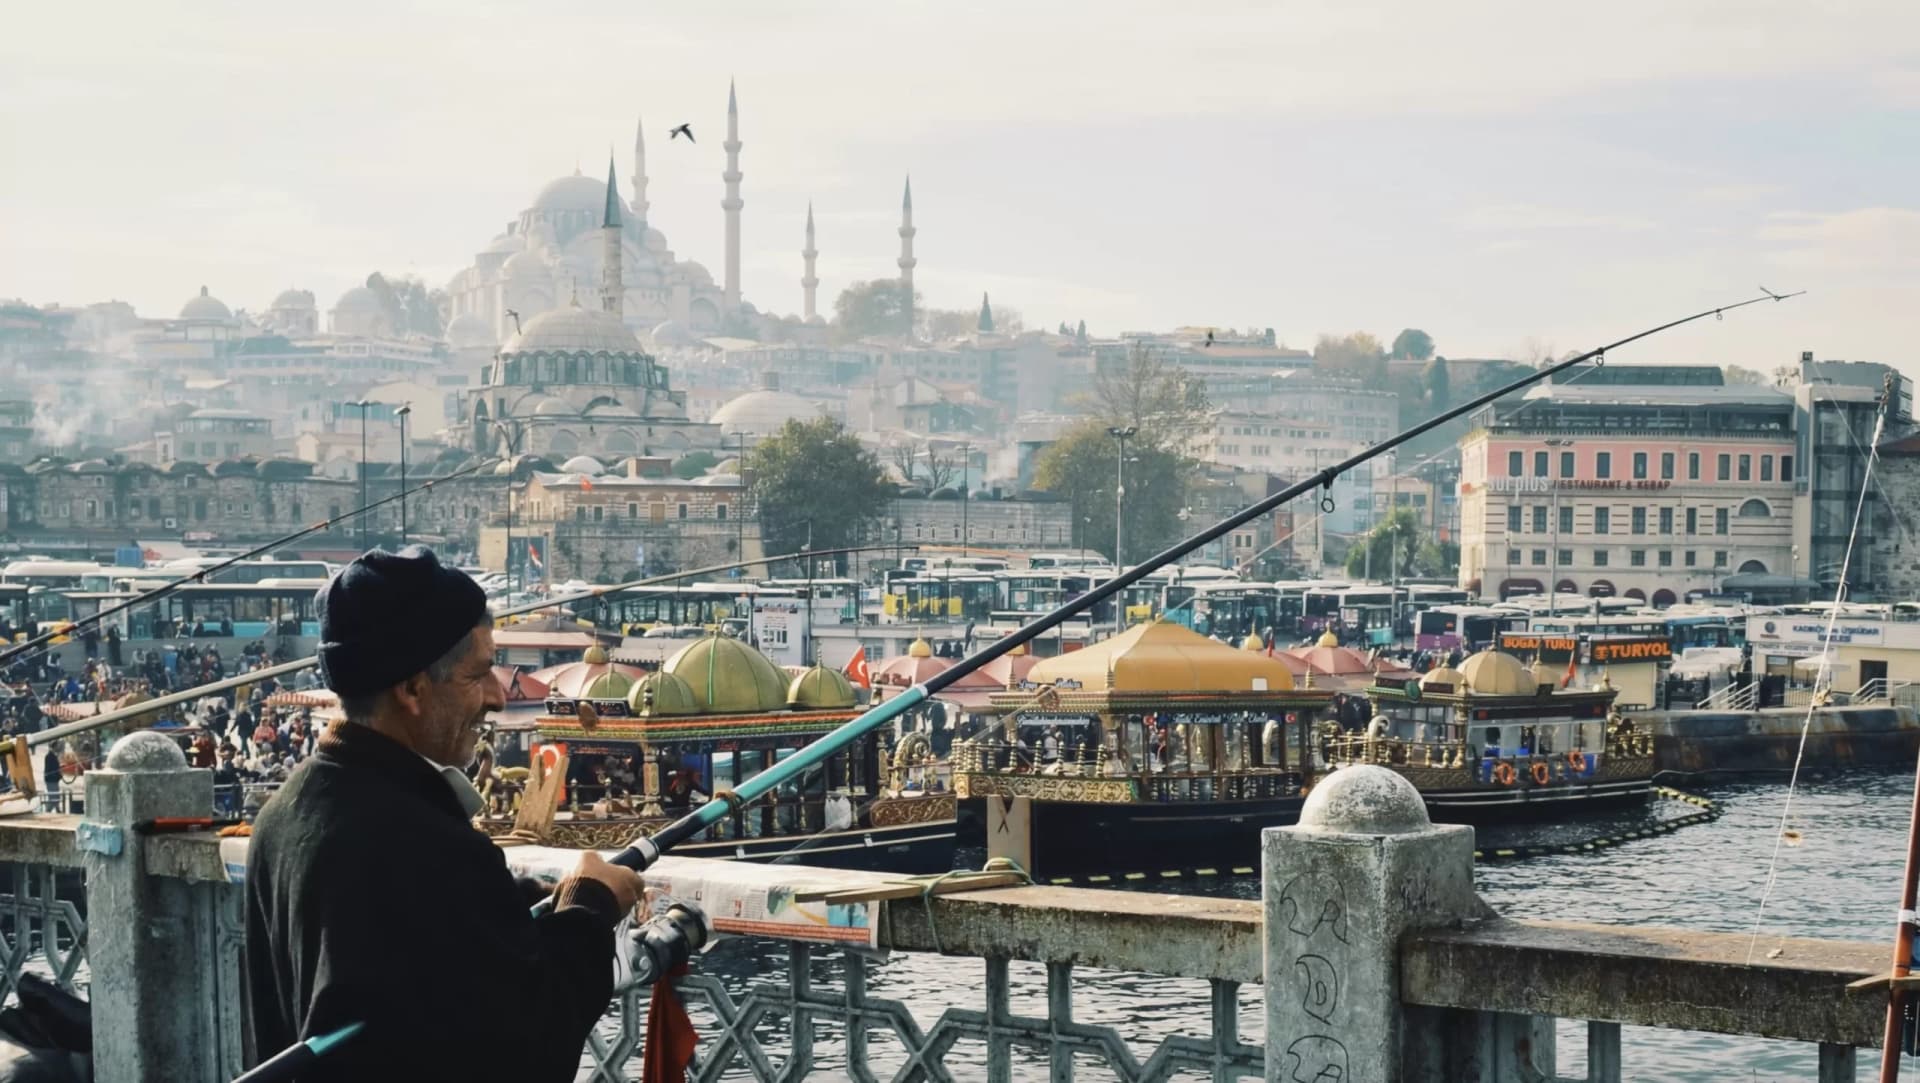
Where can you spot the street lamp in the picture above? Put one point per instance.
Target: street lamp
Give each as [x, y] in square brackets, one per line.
[513, 434]
[363, 404]
[406, 408]
[1121, 436]
[966, 469]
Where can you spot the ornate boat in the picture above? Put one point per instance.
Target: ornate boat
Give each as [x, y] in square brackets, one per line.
[632, 755]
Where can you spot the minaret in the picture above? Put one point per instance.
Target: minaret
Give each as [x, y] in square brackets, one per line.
[612, 291]
[640, 173]
[906, 260]
[809, 281]
[986, 315]
[732, 203]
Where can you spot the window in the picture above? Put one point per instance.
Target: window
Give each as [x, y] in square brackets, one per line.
[1514, 460]
[633, 510]
[1666, 466]
[153, 508]
[1693, 520]
[93, 509]
[1786, 468]
[1539, 518]
[1599, 558]
[1539, 557]
[599, 513]
[1746, 468]
[1666, 520]
[1603, 464]
[1566, 464]
[1566, 519]
[1726, 468]
[1766, 468]
[1692, 558]
[1513, 556]
[1719, 558]
[1600, 519]
[580, 512]
[1539, 464]
[683, 511]
[720, 512]
[1719, 520]
[1693, 466]
[1755, 509]
[1637, 558]
[199, 508]
[1639, 465]
[1666, 558]
[1513, 518]
[1639, 520]
[1564, 556]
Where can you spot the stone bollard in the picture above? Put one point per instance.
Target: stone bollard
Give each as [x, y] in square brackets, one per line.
[153, 986]
[1363, 866]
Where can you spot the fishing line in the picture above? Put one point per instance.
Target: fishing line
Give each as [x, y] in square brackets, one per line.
[1823, 676]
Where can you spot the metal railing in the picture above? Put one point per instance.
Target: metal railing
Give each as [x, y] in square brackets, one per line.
[1734, 696]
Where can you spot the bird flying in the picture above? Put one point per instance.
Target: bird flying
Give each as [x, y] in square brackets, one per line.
[684, 129]
[516, 320]
[1209, 336]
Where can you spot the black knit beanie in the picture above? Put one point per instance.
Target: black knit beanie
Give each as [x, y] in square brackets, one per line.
[387, 616]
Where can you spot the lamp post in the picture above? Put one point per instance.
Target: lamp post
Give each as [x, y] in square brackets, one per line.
[739, 513]
[1121, 436]
[362, 405]
[966, 470]
[406, 408]
[513, 434]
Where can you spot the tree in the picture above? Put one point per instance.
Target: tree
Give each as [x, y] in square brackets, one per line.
[946, 323]
[1396, 535]
[1438, 559]
[815, 475]
[1080, 332]
[872, 308]
[1738, 375]
[1166, 403]
[1083, 465]
[1439, 385]
[1358, 355]
[693, 464]
[410, 307]
[1412, 344]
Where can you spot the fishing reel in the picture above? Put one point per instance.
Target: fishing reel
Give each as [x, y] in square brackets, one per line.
[664, 942]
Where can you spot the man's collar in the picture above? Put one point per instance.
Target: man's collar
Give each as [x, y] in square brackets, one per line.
[351, 745]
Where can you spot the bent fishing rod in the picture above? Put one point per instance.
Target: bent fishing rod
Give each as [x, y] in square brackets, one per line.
[643, 851]
[285, 669]
[200, 575]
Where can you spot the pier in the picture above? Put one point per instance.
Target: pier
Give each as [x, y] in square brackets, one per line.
[1369, 956]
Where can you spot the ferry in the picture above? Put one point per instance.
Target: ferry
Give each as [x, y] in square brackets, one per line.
[712, 716]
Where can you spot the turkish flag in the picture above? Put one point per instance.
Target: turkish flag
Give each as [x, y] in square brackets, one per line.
[550, 755]
[857, 669]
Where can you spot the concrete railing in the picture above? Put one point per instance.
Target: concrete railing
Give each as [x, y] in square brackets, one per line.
[1378, 961]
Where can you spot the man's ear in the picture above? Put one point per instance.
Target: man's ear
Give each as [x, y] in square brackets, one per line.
[410, 695]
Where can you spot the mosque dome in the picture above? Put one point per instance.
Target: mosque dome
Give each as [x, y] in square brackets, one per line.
[506, 244]
[205, 307]
[820, 689]
[659, 695]
[358, 301]
[552, 407]
[1496, 673]
[582, 464]
[573, 330]
[762, 412]
[524, 264]
[469, 330]
[729, 677]
[287, 299]
[574, 193]
[672, 333]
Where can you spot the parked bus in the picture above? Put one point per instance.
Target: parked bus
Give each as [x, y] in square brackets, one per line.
[1367, 612]
[1320, 606]
[1232, 611]
[1466, 627]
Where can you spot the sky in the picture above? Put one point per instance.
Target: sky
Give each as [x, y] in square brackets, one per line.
[1511, 177]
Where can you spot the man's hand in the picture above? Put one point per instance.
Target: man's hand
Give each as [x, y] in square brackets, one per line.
[626, 885]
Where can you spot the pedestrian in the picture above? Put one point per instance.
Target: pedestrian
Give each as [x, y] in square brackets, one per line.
[113, 645]
[435, 934]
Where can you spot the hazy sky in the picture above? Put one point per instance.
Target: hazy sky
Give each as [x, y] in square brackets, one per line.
[1496, 173]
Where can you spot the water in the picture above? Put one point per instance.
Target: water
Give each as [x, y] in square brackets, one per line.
[1840, 882]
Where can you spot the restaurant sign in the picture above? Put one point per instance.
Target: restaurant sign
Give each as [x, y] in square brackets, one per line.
[1609, 651]
[1551, 649]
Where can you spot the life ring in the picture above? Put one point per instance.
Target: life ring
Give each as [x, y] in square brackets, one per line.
[1504, 774]
[1542, 774]
[1577, 762]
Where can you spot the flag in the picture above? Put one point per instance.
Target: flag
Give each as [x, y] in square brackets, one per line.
[586, 486]
[1573, 661]
[856, 670]
[533, 558]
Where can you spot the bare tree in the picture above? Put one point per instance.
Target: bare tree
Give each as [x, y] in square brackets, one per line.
[940, 471]
[1165, 402]
[903, 456]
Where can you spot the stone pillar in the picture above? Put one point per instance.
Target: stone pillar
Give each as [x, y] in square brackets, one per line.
[1364, 866]
[154, 985]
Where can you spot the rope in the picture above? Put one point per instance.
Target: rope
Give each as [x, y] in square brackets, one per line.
[1822, 681]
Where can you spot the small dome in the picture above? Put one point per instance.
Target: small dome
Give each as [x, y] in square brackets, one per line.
[820, 689]
[358, 301]
[672, 333]
[920, 649]
[289, 299]
[1444, 677]
[1252, 642]
[552, 407]
[729, 677]
[574, 193]
[660, 695]
[205, 307]
[1328, 639]
[612, 684]
[1018, 652]
[762, 412]
[1496, 673]
[524, 264]
[582, 464]
[595, 655]
[573, 330]
[469, 330]
[506, 243]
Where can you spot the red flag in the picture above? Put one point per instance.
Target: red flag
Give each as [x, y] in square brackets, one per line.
[585, 485]
[856, 670]
[1573, 660]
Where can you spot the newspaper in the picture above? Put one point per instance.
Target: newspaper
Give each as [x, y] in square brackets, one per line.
[739, 897]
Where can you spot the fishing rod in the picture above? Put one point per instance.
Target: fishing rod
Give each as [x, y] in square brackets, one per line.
[643, 851]
[284, 669]
[200, 575]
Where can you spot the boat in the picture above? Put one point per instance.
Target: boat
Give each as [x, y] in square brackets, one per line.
[713, 715]
[1179, 750]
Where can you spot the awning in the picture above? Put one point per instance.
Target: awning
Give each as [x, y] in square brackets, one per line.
[309, 698]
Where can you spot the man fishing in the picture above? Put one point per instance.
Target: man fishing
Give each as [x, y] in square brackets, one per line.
[371, 898]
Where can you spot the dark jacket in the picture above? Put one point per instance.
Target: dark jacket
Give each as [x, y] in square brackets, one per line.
[370, 897]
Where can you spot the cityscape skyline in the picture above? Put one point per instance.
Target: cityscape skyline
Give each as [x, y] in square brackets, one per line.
[1309, 169]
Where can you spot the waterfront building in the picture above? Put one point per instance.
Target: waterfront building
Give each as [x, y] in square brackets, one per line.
[1836, 405]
